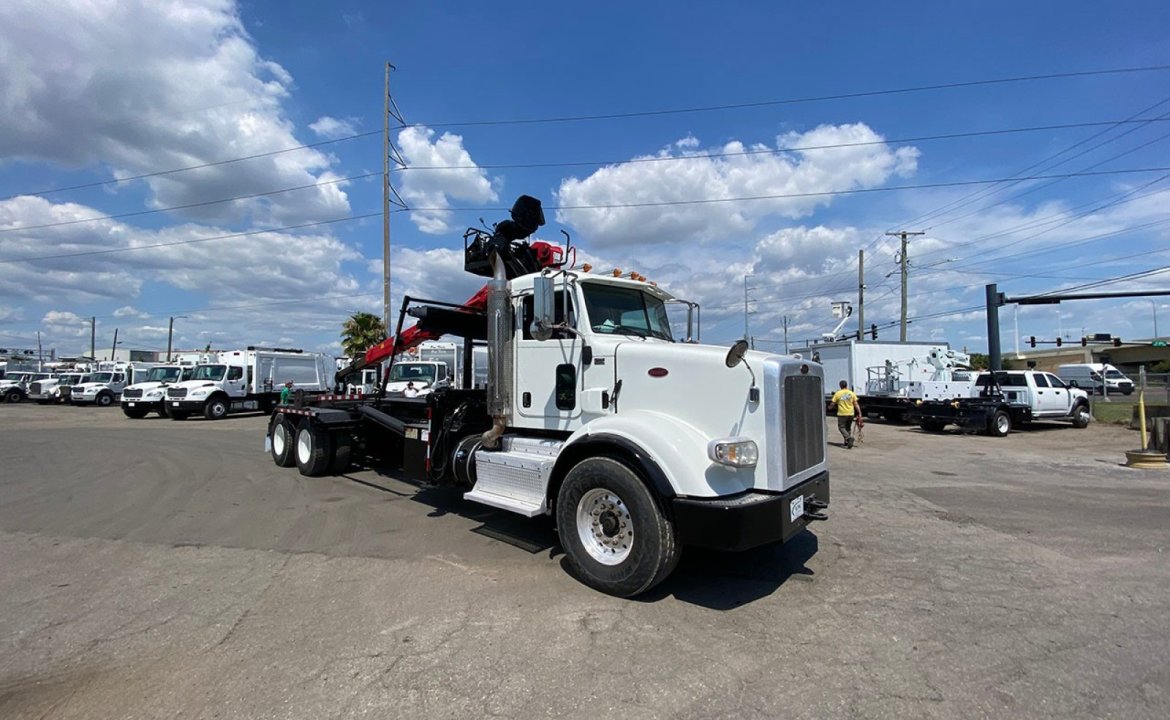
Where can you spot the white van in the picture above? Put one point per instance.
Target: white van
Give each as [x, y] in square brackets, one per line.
[1092, 377]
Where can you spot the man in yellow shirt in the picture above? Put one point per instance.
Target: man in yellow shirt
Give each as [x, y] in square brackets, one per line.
[845, 400]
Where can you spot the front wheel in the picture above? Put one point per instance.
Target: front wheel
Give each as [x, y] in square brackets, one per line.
[613, 532]
[12, 396]
[1001, 423]
[215, 409]
[104, 399]
[1081, 416]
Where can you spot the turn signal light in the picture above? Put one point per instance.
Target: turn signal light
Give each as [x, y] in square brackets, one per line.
[734, 452]
[617, 272]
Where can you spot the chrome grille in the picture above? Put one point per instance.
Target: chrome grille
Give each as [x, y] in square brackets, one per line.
[804, 423]
[176, 392]
[132, 393]
[35, 388]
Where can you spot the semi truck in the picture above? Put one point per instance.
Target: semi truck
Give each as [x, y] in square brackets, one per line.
[636, 443]
[55, 389]
[248, 380]
[889, 377]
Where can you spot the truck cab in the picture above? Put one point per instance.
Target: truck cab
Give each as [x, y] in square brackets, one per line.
[149, 395]
[50, 390]
[14, 387]
[103, 388]
[424, 376]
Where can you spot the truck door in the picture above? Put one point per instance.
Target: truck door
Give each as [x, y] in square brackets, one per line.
[547, 373]
[234, 384]
[1061, 400]
[1046, 403]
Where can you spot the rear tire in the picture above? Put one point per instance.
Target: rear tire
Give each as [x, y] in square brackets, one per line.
[134, 413]
[615, 536]
[1000, 424]
[932, 425]
[342, 455]
[312, 450]
[282, 435]
[1081, 416]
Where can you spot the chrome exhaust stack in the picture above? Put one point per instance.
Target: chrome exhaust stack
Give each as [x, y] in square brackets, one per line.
[499, 339]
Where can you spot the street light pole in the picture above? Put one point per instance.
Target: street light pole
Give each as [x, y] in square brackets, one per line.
[1154, 307]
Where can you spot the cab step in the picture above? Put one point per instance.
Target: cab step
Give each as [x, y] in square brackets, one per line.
[515, 478]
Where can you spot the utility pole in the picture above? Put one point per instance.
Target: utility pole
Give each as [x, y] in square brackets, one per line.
[746, 312]
[40, 353]
[904, 260]
[386, 201]
[114, 347]
[861, 295]
[785, 334]
[93, 339]
[170, 333]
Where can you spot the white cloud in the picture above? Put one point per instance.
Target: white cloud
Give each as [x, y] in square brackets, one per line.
[436, 188]
[333, 128]
[799, 175]
[139, 86]
[129, 311]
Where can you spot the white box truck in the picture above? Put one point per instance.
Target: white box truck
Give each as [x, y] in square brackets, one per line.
[248, 380]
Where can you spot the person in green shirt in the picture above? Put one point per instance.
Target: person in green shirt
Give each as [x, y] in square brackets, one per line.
[845, 400]
[286, 393]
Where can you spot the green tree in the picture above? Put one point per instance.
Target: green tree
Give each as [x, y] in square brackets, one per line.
[360, 332]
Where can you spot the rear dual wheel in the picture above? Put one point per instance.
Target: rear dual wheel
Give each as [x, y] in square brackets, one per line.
[282, 440]
[313, 450]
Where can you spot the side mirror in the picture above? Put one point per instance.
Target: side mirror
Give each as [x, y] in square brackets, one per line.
[543, 307]
[1073, 383]
[736, 353]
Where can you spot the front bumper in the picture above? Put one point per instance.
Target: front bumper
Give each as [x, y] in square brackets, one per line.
[186, 405]
[749, 519]
[139, 403]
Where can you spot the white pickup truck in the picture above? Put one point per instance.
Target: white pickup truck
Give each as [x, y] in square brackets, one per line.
[1005, 399]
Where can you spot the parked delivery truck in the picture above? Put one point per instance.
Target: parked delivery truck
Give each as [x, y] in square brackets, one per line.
[248, 380]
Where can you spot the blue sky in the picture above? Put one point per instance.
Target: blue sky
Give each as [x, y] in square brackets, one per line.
[99, 91]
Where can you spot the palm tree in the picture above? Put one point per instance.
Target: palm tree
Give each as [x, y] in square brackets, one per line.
[360, 332]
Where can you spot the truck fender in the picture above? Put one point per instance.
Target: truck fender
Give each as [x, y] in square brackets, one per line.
[670, 455]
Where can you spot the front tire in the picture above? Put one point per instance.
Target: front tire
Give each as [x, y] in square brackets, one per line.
[613, 532]
[1001, 424]
[104, 399]
[1081, 416]
[282, 435]
[216, 409]
[13, 396]
[313, 451]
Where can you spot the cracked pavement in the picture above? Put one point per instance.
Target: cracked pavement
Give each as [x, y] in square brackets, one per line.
[156, 569]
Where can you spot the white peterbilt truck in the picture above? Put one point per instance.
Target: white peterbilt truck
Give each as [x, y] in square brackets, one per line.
[637, 444]
[247, 381]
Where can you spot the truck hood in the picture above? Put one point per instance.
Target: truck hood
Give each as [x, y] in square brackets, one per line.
[91, 386]
[147, 386]
[193, 384]
[400, 386]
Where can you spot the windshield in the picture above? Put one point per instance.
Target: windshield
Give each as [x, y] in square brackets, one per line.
[101, 377]
[410, 371]
[209, 372]
[626, 311]
[163, 374]
[1114, 375]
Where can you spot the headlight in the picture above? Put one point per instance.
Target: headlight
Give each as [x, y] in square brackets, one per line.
[199, 392]
[736, 452]
[154, 394]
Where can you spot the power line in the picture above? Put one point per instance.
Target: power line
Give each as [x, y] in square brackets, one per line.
[205, 203]
[111, 251]
[771, 151]
[216, 163]
[794, 101]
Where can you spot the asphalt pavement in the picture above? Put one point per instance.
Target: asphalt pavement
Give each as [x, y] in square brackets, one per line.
[155, 568]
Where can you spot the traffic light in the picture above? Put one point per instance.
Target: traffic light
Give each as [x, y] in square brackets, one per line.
[1084, 342]
[1032, 340]
[873, 332]
[1059, 341]
[1116, 342]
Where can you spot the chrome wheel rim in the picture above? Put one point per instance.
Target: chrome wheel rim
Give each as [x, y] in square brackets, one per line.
[604, 526]
[1002, 423]
[304, 447]
[279, 439]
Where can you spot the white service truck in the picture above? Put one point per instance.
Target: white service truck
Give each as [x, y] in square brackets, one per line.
[104, 387]
[14, 386]
[150, 395]
[889, 377]
[248, 380]
[55, 390]
[998, 401]
[635, 442]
